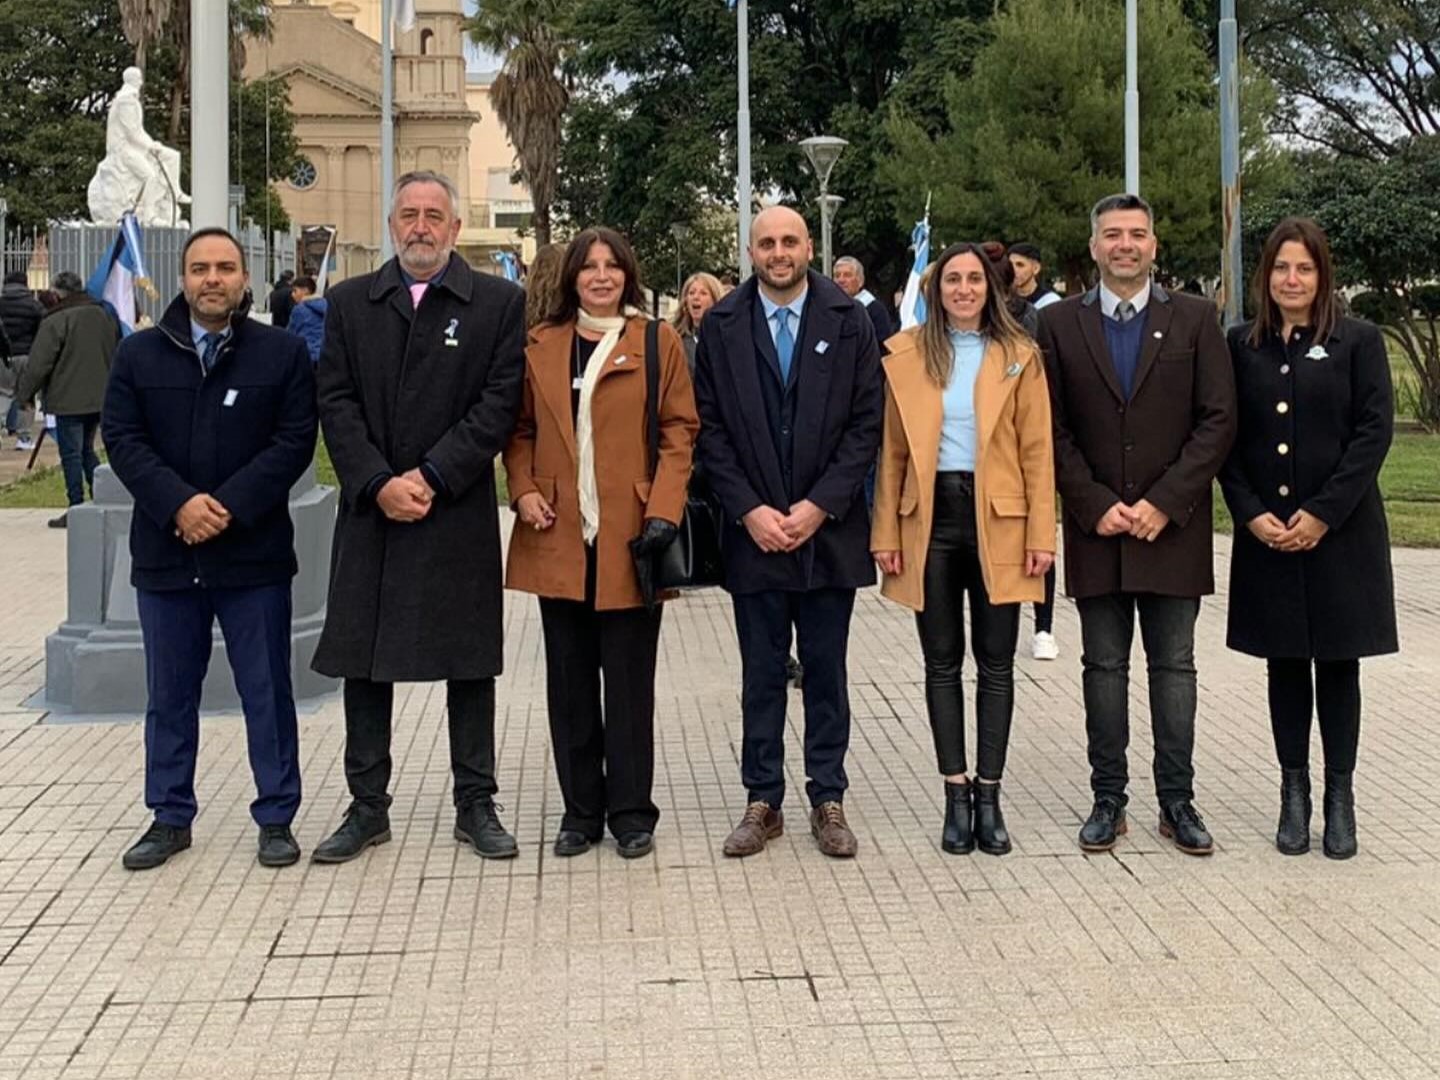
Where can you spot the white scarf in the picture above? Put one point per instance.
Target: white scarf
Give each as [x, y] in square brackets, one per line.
[612, 328]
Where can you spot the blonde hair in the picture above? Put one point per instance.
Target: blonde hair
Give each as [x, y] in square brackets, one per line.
[542, 282]
[681, 320]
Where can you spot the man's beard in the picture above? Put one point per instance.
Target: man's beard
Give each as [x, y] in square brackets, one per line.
[797, 275]
[423, 257]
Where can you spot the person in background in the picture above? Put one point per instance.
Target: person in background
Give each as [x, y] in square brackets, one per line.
[69, 365]
[542, 283]
[1021, 310]
[20, 315]
[698, 295]
[965, 504]
[1311, 585]
[849, 274]
[282, 301]
[307, 318]
[1029, 285]
[587, 505]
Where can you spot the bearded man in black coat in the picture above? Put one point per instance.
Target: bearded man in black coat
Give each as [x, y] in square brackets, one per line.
[419, 380]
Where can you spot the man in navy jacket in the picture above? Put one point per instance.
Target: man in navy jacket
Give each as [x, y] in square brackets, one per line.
[209, 419]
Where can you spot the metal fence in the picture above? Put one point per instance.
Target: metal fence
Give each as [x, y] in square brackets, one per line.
[80, 247]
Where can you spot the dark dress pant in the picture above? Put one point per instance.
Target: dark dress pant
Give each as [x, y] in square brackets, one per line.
[75, 442]
[176, 628]
[1167, 629]
[820, 620]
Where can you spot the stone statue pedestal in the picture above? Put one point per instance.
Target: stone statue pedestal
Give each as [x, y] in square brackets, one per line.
[95, 661]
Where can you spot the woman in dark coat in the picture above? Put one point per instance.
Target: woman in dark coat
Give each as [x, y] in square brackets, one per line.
[1311, 587]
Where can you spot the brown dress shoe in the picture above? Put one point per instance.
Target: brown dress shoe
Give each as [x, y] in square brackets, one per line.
[827, 825]
[759, 824]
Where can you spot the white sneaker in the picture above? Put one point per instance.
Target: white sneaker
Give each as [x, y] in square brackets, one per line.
[1043, 646]
[24, 443]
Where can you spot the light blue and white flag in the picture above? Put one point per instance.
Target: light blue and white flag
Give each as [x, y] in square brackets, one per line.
[912, 305]
[509, 268]
[121, 270]
[404, 14]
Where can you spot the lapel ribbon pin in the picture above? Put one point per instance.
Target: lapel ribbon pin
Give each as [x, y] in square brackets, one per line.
[1317, 352]
[450, 331]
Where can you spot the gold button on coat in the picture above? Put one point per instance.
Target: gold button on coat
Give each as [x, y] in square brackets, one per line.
[1282, 407]
[1283, 448]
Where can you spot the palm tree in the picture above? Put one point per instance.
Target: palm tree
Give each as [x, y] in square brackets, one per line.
[530, 93]
[143, 21]
[248, 19]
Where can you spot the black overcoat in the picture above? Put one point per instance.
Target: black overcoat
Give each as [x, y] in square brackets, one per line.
[1315, 425]
[1165, 444]
[398, 388]
[835, 402]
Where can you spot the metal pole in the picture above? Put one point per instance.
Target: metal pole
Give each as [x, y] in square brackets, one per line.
[742, 135]
[387, 126]
[678, 281]
[1232, 268]
[1132, 97]
[825, 230]
[209, 114]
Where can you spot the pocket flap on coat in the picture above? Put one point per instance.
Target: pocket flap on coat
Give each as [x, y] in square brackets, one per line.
[642, 489]
[908, 501]
[1009, 506]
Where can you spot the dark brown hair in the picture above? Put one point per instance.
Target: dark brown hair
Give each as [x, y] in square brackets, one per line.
[996, 322]
[566, 305]
[1325, 311]
[542, 282]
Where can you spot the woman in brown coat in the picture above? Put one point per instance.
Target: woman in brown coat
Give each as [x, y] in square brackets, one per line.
[581, 486]
[965, 503]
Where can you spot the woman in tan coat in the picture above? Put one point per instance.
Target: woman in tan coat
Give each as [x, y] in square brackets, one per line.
[965, 503]
[580, 483]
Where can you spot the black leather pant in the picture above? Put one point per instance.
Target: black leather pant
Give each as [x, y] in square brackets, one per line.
[952, 569]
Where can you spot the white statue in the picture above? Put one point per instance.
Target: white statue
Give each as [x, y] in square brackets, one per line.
[138, 173]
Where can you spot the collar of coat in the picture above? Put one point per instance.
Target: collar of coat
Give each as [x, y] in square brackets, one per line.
[1158, 293]
[176, 322]
[740, 301]
[457, 280]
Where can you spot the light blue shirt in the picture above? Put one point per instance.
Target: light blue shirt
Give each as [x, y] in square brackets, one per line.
[796, 308]
[198, 332]
[957, 432]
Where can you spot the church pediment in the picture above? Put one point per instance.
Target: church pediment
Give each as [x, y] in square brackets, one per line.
[315, 91]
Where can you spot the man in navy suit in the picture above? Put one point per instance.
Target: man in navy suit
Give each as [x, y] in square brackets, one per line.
[791, 398]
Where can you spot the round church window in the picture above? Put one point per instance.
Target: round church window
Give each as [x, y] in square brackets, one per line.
[303, 176]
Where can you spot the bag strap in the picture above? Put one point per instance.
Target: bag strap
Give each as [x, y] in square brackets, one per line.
[652, 394]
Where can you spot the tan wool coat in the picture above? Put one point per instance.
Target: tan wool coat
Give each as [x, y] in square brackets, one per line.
[542, 456]
[1014, 470]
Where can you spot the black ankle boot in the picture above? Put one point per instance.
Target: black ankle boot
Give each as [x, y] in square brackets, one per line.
[1292, 837]
[991, 836]
[1339, 815]
[958, 837]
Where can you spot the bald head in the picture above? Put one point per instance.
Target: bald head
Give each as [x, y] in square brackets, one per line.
[780, 250]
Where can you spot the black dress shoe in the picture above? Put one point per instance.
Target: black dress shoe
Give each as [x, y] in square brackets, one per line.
[634, 845]
[1339, 839]
[58, 522]
[360, 829]
[1292, 836]
[991, 836]
[571, 842]
[156, 846]
[957, 837]
[478, 825]
[278, 846]
[1105, 824]
[1180, 821]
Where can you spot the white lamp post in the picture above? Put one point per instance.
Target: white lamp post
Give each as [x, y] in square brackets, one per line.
[680, 230]
[823, 151]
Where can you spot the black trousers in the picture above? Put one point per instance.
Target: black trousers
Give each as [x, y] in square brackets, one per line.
[600, 688]
[1334, 696]
[821, 623]
[1045, 611]
[470, 704]
[952, 569]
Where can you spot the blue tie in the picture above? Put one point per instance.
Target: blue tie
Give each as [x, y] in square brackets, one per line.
[784, 344]
[212, 348]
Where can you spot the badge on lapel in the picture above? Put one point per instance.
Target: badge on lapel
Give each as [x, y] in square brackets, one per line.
[450, 331]
[1012, 370]
[1317, 352]
[822, 347]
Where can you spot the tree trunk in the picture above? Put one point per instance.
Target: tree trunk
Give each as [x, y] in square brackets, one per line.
[177, 103]
[540, 222]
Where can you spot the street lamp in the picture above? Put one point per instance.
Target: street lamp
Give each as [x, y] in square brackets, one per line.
[681, 232]
[823, 151]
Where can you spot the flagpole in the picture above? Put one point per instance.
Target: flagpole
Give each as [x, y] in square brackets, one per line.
[387, 125]
[1132, 97]
[742, 136]
[210, 109]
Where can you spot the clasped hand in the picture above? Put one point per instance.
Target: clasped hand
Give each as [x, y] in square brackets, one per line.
[405, 498]
[775, 532]
[1301, 533]
[1144, 521]
[202, 518]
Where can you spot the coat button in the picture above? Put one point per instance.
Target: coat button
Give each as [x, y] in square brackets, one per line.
[1129, 485]
[1120, 409]
[1284, 489]
[1282, 407]
[1284, 369]
[1283, 449]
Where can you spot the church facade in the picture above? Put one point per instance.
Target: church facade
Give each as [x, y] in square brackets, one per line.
[329, 55]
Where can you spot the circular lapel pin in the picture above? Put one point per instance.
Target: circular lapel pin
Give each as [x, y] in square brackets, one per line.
[1012, 371]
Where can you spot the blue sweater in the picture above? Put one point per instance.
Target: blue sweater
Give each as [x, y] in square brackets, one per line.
[1124, 341]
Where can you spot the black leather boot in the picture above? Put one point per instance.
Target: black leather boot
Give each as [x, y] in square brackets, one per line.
[1292, 837]
[958, 837]
[1339, 815]
[991, 836]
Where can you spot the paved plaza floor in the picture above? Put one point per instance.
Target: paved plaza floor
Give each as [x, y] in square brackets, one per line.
[421, 960]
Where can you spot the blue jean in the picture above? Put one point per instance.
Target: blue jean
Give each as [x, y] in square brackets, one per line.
[75, 439]
[176, 627]
[1167, 629]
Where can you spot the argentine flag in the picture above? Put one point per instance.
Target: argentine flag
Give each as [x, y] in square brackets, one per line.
[912, 305]
[509, 268]
[121, 269]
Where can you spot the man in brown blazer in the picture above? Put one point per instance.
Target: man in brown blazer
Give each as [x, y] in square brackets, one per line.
[1144, 410]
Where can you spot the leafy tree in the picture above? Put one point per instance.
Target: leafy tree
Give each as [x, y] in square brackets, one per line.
[1383, 220]
[1359, 77]
[1036, 136]
[652, 137]
[248, 105]
[60, 62]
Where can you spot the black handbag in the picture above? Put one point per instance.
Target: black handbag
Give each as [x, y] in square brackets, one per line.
[693, 559]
